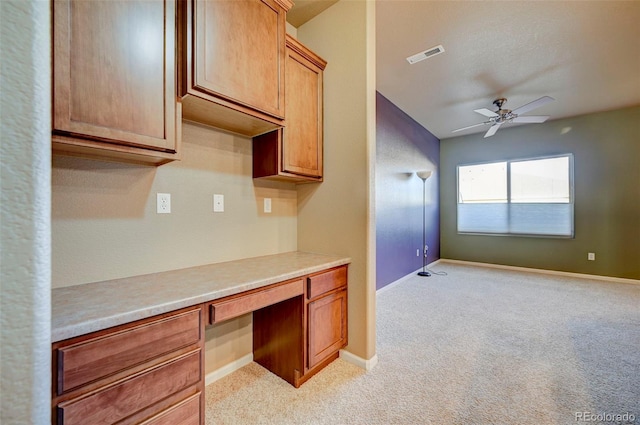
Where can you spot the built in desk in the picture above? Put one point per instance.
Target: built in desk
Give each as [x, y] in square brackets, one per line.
[131, 350]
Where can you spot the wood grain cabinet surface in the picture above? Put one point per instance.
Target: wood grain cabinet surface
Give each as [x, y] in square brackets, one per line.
[298, 337]
[327, 327]
[295, 152]
[326, 317]
[114, 80]
[299, 326]
[237, 305]
[148, 371]
[231, 63]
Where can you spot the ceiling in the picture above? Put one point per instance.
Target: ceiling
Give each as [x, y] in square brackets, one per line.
[304, 10]
[585, 54]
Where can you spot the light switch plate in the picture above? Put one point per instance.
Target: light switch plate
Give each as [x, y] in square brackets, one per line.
[218, 203]
[267, 205]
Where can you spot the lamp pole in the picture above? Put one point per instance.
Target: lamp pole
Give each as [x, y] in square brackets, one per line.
[424, 175]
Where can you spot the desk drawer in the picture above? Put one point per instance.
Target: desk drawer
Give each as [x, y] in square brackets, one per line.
[186, 412]
[124, 399]
[97, 358]
[228, 309]
[324, 282]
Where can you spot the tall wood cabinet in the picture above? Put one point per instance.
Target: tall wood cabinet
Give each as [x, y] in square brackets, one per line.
[295, 152]
[232, 56]
[114, 80]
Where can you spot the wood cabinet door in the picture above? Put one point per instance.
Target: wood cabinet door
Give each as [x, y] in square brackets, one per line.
[239, 51]
[114, 72]
[302, 135]
[327, 326]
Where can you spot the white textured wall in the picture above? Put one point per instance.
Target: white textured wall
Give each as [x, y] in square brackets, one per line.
[25, 114]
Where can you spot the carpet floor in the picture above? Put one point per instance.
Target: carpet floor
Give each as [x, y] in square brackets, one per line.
[477, 346]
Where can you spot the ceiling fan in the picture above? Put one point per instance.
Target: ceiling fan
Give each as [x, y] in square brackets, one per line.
[501, 116]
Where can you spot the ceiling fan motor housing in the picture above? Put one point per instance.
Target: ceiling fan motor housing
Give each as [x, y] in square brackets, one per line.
[504, 114]
[499, 102]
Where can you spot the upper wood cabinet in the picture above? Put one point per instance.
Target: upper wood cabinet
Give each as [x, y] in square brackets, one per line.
[114, 80]
[231, 71]
[295, 152]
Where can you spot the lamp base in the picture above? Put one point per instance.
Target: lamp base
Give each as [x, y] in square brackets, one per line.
[424, 274]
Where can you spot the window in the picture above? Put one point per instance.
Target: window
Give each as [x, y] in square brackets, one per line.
[521, 197]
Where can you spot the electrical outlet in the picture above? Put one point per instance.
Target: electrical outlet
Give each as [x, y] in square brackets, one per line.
[267, 205]
[218, 203]
[591, 256]
[163, 203]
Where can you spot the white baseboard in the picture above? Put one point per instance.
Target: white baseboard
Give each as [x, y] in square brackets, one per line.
[225, 370]
[212, 377]
[359, 361]
[402, 279]
[543, 271]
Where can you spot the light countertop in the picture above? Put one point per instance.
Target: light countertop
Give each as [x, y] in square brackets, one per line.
[81, 309]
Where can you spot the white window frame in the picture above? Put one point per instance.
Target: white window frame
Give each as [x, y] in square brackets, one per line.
[509, 209]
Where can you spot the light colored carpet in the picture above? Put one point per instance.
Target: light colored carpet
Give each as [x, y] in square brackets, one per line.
[478, 346]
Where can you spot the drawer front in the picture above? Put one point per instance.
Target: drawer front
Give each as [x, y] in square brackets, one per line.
[327, 281]
[186, 412]
[223, 310]
[119, 401]
[88, 361]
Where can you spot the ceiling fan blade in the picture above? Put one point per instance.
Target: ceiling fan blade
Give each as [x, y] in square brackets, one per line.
[468, 127]
[486, 112]
[492, 130]
[533, 105]
[531, 118]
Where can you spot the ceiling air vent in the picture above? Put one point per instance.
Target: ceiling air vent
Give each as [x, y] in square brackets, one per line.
[426, 54]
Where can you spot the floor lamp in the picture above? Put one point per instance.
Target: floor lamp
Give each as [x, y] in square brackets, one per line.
[424, 175]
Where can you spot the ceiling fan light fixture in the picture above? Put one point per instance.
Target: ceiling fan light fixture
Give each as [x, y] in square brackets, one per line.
[425, 54]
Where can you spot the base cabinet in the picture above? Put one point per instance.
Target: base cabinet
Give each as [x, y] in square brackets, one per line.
[186, 412]
[299, 326]
[327, 326]
[326, 318]
[150, 371]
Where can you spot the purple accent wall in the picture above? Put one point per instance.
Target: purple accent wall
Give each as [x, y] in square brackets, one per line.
[403, 147]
